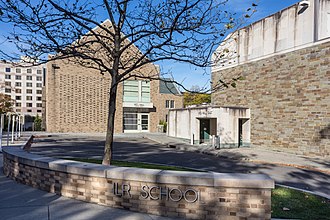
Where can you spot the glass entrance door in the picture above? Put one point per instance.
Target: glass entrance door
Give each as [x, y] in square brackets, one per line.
[144, 119]
[136, 122]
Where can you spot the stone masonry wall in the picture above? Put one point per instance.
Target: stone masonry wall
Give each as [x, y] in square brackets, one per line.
[215, 196]
[288, 95]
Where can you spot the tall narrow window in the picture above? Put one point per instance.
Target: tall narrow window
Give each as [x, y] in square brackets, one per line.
[145, 91]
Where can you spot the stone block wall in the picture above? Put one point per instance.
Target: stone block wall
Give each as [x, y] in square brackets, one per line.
[288, 95]
[189, 195]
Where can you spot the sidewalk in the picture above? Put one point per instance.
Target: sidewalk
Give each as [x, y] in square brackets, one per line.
[248, 154]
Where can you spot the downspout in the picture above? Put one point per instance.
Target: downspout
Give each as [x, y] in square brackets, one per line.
[316, 20]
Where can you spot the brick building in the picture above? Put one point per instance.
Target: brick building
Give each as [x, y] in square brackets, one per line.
[285, 60]
[24, 84]
[76, 100]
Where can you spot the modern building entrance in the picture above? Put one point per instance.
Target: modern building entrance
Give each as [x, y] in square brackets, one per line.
[205, 130]
[136, 122]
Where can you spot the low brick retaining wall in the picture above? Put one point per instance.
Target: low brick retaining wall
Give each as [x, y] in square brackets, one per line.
[190, 195]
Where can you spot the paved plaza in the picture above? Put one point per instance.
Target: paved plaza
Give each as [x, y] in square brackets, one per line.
[23, 202]
[301, 174]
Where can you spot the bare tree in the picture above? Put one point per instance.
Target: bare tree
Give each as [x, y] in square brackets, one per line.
[136, 34]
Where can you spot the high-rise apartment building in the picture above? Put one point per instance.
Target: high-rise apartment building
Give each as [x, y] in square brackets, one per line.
[24, 84]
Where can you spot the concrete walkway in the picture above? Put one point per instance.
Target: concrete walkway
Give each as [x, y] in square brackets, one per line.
[21, 202]
[247, 154]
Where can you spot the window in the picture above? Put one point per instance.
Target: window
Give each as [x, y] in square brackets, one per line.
[7, 90]
[29, 104]
[18, 91]
[39, 110]
[39, 84]
[39, 78]
[7, 69]
[29, 110]
[7, 76]
[28, 84]
[18, 84]
[39, 91]
[39, 105]
[18, 77]
[130, 121]
[18, 104]
[29, 70]
[28, 77]
[18, 70]
[39, 72]
[39, 98]
[18, 97]
[29, 91]
[136, 91]
[7, 83]
[169, 104]
[29, 98]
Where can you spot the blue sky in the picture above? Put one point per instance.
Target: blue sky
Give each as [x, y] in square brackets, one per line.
[187, 74]
[190, 76]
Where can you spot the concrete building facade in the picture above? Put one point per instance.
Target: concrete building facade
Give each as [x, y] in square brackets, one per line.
[230, 126]
[24, 84]
[285, 62]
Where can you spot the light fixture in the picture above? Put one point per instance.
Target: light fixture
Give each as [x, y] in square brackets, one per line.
[304, 3]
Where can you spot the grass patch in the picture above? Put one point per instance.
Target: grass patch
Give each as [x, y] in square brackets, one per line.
[133, 164]
[301, 205]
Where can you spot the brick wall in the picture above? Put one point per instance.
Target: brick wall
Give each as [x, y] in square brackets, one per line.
[220, 196]
[288, 95]
[77, 99]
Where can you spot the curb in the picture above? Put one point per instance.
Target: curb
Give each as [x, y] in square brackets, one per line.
[289, 165]
[244, 159]
[306, 191]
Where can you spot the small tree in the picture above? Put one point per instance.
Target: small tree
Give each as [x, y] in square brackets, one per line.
[6, 103]
[37, 123]
[137, 34]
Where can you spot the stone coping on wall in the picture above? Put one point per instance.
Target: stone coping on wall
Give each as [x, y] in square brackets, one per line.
[210, 179]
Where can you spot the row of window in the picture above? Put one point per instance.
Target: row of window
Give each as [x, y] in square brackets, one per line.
[18, 70]
[28, 91]
[38, 78]
[28, 98]
[28, 84]
[28, 110]
[29, 104]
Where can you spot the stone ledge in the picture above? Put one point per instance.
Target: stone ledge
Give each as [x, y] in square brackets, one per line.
[260, 181]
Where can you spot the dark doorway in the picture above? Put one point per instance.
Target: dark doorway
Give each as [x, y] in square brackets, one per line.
[241, 122]
[204, 130]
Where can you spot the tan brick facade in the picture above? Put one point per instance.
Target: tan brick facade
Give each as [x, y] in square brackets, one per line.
[77, 100]
[288, 95]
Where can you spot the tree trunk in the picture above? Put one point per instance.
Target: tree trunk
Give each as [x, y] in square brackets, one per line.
[107, 157]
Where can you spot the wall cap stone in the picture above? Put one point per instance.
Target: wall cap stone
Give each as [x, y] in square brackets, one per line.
[211, 179]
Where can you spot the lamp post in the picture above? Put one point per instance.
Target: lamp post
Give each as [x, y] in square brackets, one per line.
[8, 127]
[2, 120]
[17, 126]
[13, 128]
